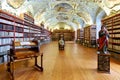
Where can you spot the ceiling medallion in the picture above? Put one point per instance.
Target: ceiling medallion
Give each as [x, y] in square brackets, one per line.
[61, 18]
[15, 3]
[63, 7]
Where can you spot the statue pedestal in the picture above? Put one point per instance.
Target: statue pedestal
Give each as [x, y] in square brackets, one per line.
[104, 62]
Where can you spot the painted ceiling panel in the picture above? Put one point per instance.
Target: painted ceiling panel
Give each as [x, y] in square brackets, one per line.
[15, 3]
[63, 7]
[71, 12]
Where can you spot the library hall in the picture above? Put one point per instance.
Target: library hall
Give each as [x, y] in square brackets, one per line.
[59, 39]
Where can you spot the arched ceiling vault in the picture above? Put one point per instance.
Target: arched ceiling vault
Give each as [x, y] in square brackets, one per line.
[75, 13]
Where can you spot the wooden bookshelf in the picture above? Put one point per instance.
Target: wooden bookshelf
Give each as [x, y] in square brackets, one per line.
[113, 26]
[81, 36]
[17, 29]
[68, 34]
[90, 35]
[27, 18]
[78, 34]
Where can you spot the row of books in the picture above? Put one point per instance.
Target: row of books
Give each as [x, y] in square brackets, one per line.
[116, 35]
[26, 27]
[26, 30]
[19, 29]
[116, 23]
[19, 25]
[110, 40]
[81, 33]
[109, 21]
[6, 34]
[11, 27]
[36, 29]
[109, 28]
[110, 31]
[109, 25]
[116, 47]
[6, 22]
[116, 30]
[110, 46]
[4, 48]
[6, 16]
[115, 20]
[5, 41]
[18, 34]
[116, 41]
[6, 27]
[31, 31]
[8, 40]
[19, 39]
[28, 18]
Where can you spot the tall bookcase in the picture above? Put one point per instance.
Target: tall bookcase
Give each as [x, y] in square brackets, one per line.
[78, 34]
[14, 28]
[90, 35]
[113, 26]
[68, 34]
[7, 32]
[81, 36]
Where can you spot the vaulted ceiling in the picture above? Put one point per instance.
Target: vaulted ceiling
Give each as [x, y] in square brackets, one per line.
[72, 13]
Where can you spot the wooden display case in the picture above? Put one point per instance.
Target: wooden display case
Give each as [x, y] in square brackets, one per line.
[90, 35]
[113, 26]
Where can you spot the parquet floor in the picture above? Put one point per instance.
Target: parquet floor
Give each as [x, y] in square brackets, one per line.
[76, 62]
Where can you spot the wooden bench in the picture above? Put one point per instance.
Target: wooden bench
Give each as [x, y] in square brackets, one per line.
[22, 51]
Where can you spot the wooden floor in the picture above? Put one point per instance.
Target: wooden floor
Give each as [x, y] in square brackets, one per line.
[76, 62]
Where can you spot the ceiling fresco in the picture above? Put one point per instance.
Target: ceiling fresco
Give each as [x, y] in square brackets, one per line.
[63, 7]
[15, 3]
[75, 13]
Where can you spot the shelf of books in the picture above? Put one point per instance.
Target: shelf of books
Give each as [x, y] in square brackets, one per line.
[14, 28]
[78, 36]
[113, 26]
[81, 36]
[90, 36]
[7, 26]
[68, 34]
